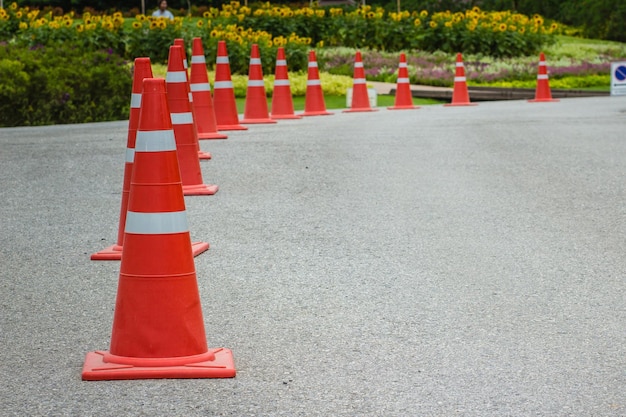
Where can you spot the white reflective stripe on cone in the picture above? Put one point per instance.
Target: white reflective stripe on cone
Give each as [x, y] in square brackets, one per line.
[130, 155]
[223, 84]
[359, 81]
[281, 62]
[358, 65]
[313, 82]
[182, 118]
[280, 83]
[542, 64]
[313, 64]
[255, 61]
[403, 80]
[402, 65]
[176, 77]
[542, 76]
[135, 100]
[156, 223]
[198, 59]
[155, 141]
[459, 64]
[256, 83]
[459, 79]
[221, 60]
[200, 87]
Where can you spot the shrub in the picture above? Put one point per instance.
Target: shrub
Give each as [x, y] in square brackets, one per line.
[61, 84]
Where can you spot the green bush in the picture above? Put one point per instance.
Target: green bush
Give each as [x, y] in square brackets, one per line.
[59, 84]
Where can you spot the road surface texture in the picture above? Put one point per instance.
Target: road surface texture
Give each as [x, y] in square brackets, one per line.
[445, 261]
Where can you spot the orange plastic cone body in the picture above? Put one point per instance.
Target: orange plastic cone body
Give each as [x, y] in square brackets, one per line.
[158, 327]
[542, 92]
[201, 93]
[460, 95]
[255, 111]
[226, 115]
[181, 42]
[143, 69]
[282, 100]
[360, 98]
[314, 104]
[184, 128]
[404, 98]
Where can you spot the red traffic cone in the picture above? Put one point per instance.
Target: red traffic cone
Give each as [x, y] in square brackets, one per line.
[184, 126]
[460, 95]
[542, 92]
[360, 99]
[142, 70]
[404, 97]
[282, 100]
[201, 93]
[314, 104]
[226, 114]
[158, 326]
[181, 42]
[255, 111]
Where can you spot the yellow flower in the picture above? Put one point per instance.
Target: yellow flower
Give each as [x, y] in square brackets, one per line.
[162, 23]
[68, 23]
[448, 24]
[433, 24]
[417, 22]
[154, 25]
[206, 15]
[200, 23]
[23, 25]
[18, 14]
[214, 33]
[225, 14]
[502, 27]
[522, 29]
[80, 28]
[140, 17]
[424, 13]
[136, 25]
[13, 6]
[320, 44]
[320, 13]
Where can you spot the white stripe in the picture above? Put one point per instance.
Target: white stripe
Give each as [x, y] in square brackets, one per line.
[221, 60]
[182, 118]
[542, 76]
[255, 61]
[358, 65]
[222, 84]
[313, 82]
[402, 65]
[176, 77]
[155, 141]
[459, 64]
[403, 80]
[135, 101]
[281, 62]
[256, 83]
[542, 64]
[359, 81]
[459, 79]
[198, 59]
[200, 87]
[185, 63]
[156, 223]
[190, 96]
[280, 83]
[130, 155]
[313, 64]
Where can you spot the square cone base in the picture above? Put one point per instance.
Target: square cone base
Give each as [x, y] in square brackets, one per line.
[317, 113]
[200, 189]
[543, 100]
[460, 104]
[96, 369]
[205, 136]
[231, 127]
[403, 108]
[359, 109]
[285, 116]
[114, 252]
[257, 121]
[204, 155]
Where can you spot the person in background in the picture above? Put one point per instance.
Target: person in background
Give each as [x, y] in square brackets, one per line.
[162, 11]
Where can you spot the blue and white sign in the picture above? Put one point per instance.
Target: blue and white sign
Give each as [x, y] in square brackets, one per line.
[618, 78]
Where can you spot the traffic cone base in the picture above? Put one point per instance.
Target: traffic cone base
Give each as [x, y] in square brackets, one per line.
[114, 252]
[200, 189]
[359, 109]
[215, 135]
[285, 116]
[543, 100]
[317, 113]
[204, 155]
[460, 104]
[409, 107]
[98, 368]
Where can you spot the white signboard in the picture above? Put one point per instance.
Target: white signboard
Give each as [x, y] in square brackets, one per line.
[618, 78]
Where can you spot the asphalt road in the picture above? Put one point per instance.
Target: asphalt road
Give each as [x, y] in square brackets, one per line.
[434, 262]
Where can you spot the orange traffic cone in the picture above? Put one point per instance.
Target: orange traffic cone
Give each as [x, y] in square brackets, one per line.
[226, 114]
[404, 97]
[181, 42]
[142, 70]
[314, 104]
[360, 99]
[201, 93]
[460, 95]
[282, 101]
[158, 326]
[542, 92]
[255, 111]
[184, 126]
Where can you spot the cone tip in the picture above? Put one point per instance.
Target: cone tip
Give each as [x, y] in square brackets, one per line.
[175, 59]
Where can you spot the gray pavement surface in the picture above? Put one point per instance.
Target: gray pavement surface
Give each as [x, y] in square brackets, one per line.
[446, 261]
